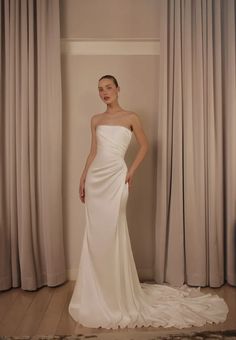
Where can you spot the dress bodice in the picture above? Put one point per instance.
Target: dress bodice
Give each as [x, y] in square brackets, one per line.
[114, 139]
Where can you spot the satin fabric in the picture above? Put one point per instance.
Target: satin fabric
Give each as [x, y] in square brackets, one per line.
[107, 291]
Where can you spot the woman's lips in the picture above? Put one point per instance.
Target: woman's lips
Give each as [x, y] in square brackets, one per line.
[106, 98]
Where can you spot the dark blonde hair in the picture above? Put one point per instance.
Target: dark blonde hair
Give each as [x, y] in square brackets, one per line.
[108, 76]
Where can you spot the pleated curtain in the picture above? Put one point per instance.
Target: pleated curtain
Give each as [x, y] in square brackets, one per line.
[31, 241]
[196, 152]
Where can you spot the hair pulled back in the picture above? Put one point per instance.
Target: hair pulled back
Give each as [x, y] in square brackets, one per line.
[109, 76]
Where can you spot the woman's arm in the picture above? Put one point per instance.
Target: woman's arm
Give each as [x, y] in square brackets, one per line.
[92, 154]
[144, 145]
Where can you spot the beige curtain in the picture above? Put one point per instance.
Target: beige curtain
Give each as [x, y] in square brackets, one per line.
[31, 242]
[196, 160]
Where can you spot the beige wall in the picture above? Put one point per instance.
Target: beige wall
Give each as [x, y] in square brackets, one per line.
[138, 78]
[110, 19]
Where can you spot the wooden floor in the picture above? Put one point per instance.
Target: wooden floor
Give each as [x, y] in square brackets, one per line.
[45, 312]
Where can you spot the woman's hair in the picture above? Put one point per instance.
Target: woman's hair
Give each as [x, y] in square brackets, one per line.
[108, 76]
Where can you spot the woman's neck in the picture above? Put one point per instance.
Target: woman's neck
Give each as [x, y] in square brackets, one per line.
[113, 108]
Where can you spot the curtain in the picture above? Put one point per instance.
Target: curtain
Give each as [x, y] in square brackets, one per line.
[195, 229]
[31, 242]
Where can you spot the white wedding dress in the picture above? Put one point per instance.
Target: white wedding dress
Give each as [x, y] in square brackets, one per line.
[107, 291]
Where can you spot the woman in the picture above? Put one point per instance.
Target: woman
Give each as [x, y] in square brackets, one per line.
[107, 291]
[108, 90]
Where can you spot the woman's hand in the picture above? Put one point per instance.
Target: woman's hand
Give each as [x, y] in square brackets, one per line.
[82, 189]
[129, 178]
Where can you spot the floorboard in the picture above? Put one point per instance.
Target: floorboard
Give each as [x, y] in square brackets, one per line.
[45, 312]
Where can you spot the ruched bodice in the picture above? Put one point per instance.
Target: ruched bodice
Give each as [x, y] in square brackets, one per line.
[113, 138]
[107, 291]
[108, 168]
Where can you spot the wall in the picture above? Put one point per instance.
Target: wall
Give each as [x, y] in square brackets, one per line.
[120, 38]
[110, 19]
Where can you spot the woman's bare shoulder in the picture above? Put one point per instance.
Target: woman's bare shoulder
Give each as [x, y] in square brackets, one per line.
[130, 115]
[96, 117]
[134, 117]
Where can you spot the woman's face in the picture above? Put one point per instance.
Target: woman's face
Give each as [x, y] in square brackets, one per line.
[108, 91]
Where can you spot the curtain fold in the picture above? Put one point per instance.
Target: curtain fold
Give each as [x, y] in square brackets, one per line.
[229, 107]
[196, 161]
[31, 244]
